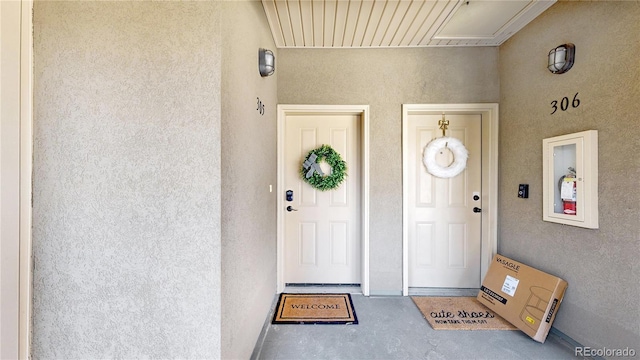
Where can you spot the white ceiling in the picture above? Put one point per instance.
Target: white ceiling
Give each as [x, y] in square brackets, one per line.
[397, 23]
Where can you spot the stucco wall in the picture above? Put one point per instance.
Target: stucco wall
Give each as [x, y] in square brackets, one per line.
[385, 79]
[248, 168]
[126, 193]
[601, 306]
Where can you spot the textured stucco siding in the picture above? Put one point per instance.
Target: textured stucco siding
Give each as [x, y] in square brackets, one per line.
[126, 192]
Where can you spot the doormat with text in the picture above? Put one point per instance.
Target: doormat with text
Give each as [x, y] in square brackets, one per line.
[459, 313]
[314, 309]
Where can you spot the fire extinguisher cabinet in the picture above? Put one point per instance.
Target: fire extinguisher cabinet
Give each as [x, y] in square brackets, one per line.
[570, 179]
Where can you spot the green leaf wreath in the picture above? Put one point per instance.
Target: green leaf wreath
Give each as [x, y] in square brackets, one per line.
[311, 173]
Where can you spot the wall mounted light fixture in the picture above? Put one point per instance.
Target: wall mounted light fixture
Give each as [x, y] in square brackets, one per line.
[266, 62]
[561, 58]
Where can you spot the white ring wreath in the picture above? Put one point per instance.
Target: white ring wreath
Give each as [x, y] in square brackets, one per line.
[460, 155]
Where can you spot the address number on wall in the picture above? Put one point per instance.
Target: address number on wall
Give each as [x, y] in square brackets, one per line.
[260, 107]
[565, 103]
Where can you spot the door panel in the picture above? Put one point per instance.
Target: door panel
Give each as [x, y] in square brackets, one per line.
[322, 238]
[444, 233]
[10, 166]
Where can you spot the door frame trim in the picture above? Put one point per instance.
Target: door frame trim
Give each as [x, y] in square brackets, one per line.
[489, 112]
[363, 110]
[16, 101]
[26, 180]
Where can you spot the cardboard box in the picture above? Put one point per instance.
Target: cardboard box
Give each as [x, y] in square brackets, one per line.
[526, 297]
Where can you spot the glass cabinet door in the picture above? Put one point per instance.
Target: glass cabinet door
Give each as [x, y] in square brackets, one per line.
[565, 194]
[570, 179]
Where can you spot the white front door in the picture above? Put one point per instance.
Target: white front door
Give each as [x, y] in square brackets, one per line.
[322, 236]
[9, 177]
[444, 232]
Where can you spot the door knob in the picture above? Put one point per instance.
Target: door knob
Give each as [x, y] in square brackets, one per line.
[290, 208]
[477, 209]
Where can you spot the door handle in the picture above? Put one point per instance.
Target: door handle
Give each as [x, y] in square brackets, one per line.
[290, 208]
[477, 209]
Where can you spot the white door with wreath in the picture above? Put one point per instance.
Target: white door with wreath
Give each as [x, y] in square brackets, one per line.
[322, 237]
[444, 200]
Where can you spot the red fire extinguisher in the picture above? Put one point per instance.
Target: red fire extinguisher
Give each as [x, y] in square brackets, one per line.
[568, 185]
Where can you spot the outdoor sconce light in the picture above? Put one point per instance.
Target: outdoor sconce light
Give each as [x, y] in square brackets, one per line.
[561, 58]
[266, 62]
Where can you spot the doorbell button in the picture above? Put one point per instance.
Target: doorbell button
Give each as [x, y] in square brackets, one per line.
[523, 191]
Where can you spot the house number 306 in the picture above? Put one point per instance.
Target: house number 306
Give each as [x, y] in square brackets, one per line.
[564, 103]
[260, 107]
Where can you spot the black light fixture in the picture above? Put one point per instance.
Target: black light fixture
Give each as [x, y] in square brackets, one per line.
[266, 62]
[561, 58]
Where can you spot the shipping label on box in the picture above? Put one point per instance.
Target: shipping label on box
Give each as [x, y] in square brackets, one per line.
[526, 297]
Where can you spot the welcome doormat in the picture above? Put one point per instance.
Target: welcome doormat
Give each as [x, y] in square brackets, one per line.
[459, 313]
[314, 309]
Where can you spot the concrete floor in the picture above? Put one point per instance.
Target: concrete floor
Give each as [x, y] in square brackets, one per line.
[393, 328]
